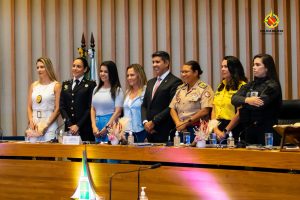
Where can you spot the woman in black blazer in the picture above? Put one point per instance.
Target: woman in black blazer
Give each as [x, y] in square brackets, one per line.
[75, 101]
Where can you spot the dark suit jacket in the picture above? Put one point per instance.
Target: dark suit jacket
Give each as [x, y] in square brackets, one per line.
[75, 107]
[157, 109]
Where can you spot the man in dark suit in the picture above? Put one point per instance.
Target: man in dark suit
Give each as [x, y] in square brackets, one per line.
[75, 101]
[159, 93]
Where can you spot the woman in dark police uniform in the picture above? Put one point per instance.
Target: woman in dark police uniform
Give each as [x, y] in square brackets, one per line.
[75, 101]
[260, 101]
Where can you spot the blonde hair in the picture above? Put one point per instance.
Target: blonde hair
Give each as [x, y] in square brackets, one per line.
[48, 66]
[142, 79]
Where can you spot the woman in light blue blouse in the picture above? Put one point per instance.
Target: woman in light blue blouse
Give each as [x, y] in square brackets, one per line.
[136, 85]
[107, 100]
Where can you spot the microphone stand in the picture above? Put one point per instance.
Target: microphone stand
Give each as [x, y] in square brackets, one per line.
[55, 140]
[130, 171]
[169, 142]
[241, 144]
[111, 178]
[157, 165]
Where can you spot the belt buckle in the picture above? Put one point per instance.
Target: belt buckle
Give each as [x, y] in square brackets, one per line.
[39, 114]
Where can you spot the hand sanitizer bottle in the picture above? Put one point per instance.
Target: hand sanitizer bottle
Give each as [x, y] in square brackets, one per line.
[130, 138]
[230, 141]
[143, 195]
[176, 139]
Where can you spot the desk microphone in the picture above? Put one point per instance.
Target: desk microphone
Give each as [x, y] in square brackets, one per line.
[55, 140]
[130, 171]
[170, 143]
[240, 143]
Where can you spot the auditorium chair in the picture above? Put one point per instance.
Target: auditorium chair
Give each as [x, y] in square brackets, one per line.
[290, 112]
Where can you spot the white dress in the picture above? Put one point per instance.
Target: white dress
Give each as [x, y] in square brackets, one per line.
[43, 104]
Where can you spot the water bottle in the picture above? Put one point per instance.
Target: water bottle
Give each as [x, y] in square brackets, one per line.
[143, 195]
[130, 138]
[213, 138]
[176, 139]
[230, 141]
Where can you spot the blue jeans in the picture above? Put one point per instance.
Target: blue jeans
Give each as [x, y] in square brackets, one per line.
[101, 122]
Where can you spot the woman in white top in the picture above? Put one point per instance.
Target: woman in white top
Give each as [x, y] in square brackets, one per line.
[43, 101]
[136, 86]
[107, 100]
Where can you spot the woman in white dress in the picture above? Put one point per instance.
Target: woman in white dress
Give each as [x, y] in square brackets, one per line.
[43, 101]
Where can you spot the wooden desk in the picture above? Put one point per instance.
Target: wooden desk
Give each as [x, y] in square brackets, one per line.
[219, 173]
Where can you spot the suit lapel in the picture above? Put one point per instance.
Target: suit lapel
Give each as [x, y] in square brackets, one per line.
[152, 83]
[163, 82]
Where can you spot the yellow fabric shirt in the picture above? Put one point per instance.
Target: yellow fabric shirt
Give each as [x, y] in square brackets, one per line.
[222, 102]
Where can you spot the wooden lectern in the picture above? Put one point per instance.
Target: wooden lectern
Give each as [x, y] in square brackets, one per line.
[290, 134]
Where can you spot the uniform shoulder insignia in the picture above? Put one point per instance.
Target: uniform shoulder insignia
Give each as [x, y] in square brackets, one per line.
[66, 81]
[65, 84]
[181, 86]
[202, 85]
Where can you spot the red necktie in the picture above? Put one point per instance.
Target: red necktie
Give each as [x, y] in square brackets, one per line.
[156, 86]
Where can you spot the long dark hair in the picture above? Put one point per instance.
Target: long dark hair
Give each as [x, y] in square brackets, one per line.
[269, 63]
[236, 71]
[112, 76]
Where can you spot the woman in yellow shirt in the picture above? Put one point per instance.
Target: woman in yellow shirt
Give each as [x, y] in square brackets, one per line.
[233, 78]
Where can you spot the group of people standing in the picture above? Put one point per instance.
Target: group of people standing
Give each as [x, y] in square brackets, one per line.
[160, 106]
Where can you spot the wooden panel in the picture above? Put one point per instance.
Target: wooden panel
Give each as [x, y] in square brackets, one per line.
[181, 33]
[195, 30]
[29, 43]
[274, 7]
[297, 10]
[13, 68]
[126, 34]
[71, 34]
[209, 41]
[248, 31]
[221, 35]
[41, 150]
[260, 18]
[235, 28]
[140, 33]
[43, 27]
[58, 180]
[287, 50]
[84, 20]
[57, 39]
[113, 30]
[154, 26]
[230, 157]
[99, 32]
[168, 27]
